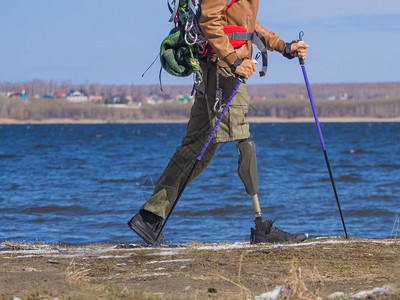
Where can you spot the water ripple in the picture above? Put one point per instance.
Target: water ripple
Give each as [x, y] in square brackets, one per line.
[82, 183]
[63, 210]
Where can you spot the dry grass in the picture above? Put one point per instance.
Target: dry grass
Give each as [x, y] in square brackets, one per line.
[105, 272]
[76, 274]
[295, 288]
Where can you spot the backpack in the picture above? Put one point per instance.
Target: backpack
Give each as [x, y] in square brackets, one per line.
[181, 50]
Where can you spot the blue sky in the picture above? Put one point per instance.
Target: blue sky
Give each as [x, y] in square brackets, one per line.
[113, 41]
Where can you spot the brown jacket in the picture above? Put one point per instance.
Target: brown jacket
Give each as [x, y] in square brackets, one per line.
[242, 13]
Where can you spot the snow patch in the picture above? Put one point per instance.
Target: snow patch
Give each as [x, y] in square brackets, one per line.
[152, 274]
[387, 289]
[83, 251]
[167, 261]
[114, 256]
[273, 295]
[277, 292]
[238, 245]
[36, 251]
[244, 245]
[25, 256]
[305, 244]
[328, 237]
[335, 295]
[169, 252]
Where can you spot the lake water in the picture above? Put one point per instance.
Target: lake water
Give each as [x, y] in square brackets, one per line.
[80, 184]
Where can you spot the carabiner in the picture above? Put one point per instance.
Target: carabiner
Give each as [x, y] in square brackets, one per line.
[218, 101]
[219, 104]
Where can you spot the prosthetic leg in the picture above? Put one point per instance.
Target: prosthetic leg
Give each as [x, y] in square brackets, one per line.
[247, 171]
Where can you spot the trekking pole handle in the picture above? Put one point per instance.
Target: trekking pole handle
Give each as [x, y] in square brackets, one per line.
[301, 35]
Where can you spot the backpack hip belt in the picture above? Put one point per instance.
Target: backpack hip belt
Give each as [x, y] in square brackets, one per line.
[238, 36]
[258, 40]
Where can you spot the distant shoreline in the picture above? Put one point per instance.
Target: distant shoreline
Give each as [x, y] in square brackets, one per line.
[179, 121]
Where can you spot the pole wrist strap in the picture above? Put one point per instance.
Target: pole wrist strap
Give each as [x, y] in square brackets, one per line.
[287, 52]
[235, 64]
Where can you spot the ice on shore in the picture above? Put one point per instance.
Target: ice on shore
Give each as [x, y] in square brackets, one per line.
[276, 293]
[386, 289]
[167, 261]
[273, 295]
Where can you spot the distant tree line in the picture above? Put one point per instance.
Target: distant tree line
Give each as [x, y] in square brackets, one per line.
[295, 108]
[32, 109]
[326, 91]
[322, 91]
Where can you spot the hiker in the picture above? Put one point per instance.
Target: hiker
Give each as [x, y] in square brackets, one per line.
[224, 62]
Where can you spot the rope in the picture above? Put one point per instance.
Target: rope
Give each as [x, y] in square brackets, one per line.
[194, 35]
[194, 61]
[184, 17]
[218, 93]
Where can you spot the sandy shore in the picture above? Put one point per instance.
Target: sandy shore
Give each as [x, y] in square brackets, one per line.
[155, 121]
[317, 268]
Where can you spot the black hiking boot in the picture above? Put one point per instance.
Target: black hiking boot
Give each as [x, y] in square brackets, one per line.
[266, 232]
[147, 225]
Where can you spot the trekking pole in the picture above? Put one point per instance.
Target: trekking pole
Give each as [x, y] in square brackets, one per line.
[203, 150]
[302, 64]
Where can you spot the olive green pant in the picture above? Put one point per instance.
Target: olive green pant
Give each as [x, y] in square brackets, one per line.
[233, 127]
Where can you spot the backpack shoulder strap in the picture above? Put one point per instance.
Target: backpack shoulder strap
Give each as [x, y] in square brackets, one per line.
[229, 5]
